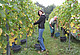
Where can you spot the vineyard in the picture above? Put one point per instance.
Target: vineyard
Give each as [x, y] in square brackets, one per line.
[16, 18]
[68, 17]
[16, 22]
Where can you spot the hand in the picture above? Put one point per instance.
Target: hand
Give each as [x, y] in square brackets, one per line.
[32, 24]
[52, 27]
[57, 29]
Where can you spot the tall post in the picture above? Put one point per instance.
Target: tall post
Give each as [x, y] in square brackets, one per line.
[69, 40]
[8, 47]
[7, 27]
[69, 28]
[69, 34]
[26, 40]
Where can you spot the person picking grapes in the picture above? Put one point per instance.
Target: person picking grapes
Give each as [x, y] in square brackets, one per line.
[41, 23]
[52, 23]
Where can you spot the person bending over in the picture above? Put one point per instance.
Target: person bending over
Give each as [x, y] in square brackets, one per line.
[52, 23]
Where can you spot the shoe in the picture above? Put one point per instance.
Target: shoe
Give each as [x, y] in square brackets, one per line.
[52, 36]
[38, 41]
[43, 50]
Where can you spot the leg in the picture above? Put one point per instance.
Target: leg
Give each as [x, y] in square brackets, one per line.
[41, 39]
[51, 34]
[51, 31]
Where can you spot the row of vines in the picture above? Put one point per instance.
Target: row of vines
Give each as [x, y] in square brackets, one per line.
[68, 16]
[16, 19]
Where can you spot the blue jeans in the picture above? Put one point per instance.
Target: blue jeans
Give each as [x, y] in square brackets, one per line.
[52, 30]
[40, 38]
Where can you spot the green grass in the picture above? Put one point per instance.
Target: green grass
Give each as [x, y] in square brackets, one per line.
[54, 46]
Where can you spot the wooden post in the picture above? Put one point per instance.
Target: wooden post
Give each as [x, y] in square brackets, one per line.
[69, 40]
[69, 30]
[7, 27]
[26, 40]
[8, 47]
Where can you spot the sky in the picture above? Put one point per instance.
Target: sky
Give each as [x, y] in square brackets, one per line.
[49, 2]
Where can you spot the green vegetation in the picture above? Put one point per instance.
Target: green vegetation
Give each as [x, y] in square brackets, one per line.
[16, 18]
[53, 45]
[68, 16]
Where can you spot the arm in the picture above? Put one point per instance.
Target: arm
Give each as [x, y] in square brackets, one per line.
[57, 25]
[51, 26]
[50, 23]
[39, 21]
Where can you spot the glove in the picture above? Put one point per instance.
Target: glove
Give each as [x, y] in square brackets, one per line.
[52, 27]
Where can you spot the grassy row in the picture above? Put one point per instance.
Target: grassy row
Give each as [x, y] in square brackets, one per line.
[53, 45]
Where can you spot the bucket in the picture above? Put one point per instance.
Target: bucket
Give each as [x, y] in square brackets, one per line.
[57, 34]
[63, 39]
[23, 41]
[37, 47]
[16, 48]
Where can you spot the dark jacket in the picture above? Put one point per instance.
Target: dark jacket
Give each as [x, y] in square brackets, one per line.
[41, 22]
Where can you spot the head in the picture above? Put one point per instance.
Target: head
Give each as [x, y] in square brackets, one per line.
[55, 17]
[40, 12]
